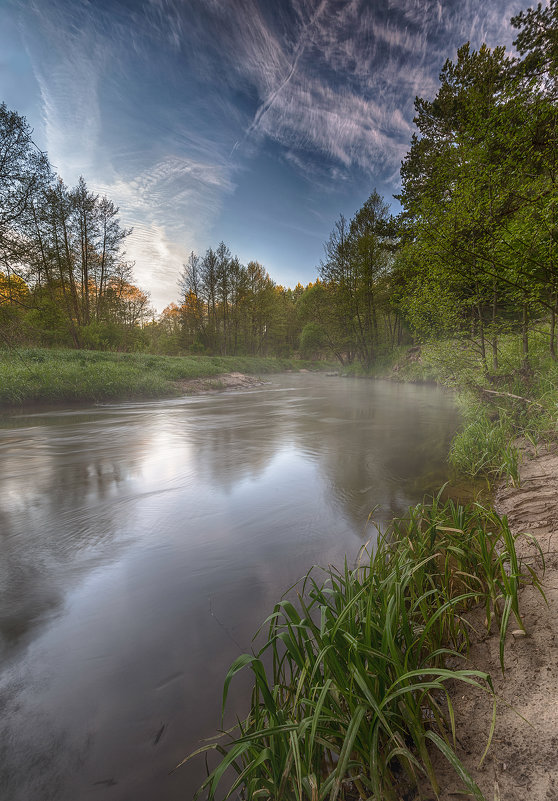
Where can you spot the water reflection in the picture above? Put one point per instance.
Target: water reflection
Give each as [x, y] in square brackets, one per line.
[142, 544]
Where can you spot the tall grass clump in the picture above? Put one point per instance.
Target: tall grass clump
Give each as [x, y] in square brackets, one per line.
[350, 687]
[485, 447]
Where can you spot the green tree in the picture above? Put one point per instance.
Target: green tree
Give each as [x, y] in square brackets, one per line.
[358, 260]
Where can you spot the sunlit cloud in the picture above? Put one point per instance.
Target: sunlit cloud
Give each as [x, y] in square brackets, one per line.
[171, 207]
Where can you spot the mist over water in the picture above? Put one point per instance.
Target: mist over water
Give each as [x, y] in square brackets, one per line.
[142, 544]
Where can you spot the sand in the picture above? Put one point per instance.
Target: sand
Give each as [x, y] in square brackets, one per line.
[522, 762]
[218, 383]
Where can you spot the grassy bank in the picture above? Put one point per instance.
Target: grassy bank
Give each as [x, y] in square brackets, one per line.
[517, 400]
[42, 375]
[350, 691]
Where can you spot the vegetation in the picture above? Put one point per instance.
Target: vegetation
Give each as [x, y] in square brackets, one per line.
[499, 407]
[356, 693]
[472, 254]
[351, 684]
[40, 374]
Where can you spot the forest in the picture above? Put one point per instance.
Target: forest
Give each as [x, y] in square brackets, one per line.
[472, 253]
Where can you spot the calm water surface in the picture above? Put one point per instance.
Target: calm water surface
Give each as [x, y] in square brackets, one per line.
[142, 544]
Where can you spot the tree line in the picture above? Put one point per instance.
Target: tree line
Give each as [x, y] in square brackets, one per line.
[64, 279]
[346, 313]
[472, 253]
[229, 308]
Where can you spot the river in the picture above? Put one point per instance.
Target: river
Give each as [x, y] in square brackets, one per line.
[141, 545]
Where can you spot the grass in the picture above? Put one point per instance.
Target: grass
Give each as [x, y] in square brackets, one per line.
[494, 421]
[43, 375]
[485, 447]
[350, 687]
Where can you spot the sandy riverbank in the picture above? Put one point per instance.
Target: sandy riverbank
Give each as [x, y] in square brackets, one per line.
[218, 383]
[523, 760]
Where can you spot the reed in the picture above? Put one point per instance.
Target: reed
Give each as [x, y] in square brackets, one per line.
[350, 687]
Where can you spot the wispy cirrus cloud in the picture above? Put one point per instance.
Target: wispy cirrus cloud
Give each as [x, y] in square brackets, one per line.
[339, 77]
[356, 68]
[161, 238]
[69, 79]
[169, 105]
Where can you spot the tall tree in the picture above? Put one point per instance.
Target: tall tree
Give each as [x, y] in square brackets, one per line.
[358, 258]
[24, 172]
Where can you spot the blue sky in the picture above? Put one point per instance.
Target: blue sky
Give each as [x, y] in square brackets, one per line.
[256, 122]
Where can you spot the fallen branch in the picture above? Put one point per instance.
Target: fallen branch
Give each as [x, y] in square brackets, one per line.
[509, 395]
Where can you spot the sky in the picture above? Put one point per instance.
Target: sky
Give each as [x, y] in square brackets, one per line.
[253, 122]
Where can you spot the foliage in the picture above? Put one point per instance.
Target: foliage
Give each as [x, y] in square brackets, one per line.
[24, 172]
[312, 339]
[38, 374]
[485, 448]
[350, 687]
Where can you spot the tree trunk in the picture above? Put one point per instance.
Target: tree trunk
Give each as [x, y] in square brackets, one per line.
[482, 337]
[525, 336]
[494, 334]
[67, 300]
[553, 330]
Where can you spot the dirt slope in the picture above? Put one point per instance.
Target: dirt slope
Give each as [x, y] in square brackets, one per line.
[522, 763]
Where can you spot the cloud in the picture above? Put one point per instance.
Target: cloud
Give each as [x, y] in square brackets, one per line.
[158, 261]
[171, 206]
[341, 80]
[165, 104]
[67, 61]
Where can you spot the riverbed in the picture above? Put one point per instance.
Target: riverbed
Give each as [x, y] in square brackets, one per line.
[143, 543]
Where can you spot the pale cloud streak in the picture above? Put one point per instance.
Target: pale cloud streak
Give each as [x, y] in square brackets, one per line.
[346, 86]
[171, 207]
[68, 68]
[165, 105]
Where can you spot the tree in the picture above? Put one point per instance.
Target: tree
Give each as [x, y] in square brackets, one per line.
[223, 288]
[537, 44]
[358, 259]
[24, 172]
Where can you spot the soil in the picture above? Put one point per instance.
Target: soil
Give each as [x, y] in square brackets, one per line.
[522, 762]
[218, 383]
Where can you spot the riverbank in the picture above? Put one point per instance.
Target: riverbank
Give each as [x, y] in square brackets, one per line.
[218, 383]
[523, 759]
[39, 375]
[515, 401]
[519, 654]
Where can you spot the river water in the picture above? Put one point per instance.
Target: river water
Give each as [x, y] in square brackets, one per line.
[141, 545]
